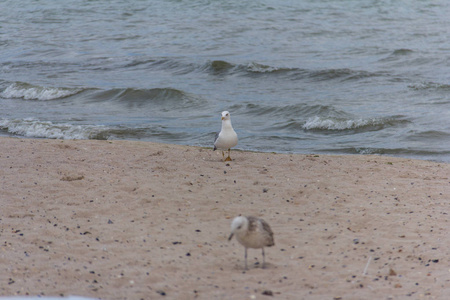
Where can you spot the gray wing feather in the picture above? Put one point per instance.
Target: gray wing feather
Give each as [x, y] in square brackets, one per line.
[266, 227]
[269, 232]
[215, 140]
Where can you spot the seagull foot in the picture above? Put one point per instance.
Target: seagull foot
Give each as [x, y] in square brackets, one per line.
[228, 159]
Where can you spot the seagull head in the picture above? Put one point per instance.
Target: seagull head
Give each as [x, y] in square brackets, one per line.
[225, 115]
[239, 224]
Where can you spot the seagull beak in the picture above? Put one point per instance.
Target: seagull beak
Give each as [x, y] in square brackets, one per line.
[231, 236]
[223, 118]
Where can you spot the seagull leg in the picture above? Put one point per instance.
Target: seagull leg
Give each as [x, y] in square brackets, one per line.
[228, 158]
[223, 155]
[264, 259]
[246, 268]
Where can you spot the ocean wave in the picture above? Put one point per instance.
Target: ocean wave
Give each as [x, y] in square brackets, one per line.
[33, 128]
[142, 95]
[429, 136]
[295, 111]
[342, 74]
[402, 51]
[250, 69]
[132, 97]
[46, 129]
[345, 74]
[397, 55]
[172, 99]
[302, 116]
[333, 124]
[254, 67]
[219, 66]
[429, 154]
[20, 90]
[173, 65]
[212, 67]
[430, 86]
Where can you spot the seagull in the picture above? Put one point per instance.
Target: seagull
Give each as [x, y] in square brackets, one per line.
[227, 137]
[252, 232]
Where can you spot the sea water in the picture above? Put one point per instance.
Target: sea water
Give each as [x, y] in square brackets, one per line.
[335, 77]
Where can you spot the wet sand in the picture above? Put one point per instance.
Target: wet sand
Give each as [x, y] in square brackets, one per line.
[132, 220]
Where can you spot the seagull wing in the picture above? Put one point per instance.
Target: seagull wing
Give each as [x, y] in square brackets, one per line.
[215, 140]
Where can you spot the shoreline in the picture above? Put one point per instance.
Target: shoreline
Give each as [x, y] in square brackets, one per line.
[430, 158]
[132, 219]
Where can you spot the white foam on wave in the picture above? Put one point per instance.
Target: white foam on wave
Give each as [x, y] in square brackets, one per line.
[258, 68]
[338, 124]
[30, 92]
[46, 129]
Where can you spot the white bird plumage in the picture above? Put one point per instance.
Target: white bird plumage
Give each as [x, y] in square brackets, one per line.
[252, 232]
[227, 137]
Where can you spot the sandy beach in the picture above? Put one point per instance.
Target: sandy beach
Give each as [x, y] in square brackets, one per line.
[139, 220]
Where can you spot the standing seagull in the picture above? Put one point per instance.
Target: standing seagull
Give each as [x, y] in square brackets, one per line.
[252, 232]
[227, 137]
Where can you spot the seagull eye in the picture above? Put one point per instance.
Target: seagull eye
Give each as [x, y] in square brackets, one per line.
[239, 227]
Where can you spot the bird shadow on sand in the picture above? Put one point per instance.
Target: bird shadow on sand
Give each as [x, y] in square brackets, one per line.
[257, 265]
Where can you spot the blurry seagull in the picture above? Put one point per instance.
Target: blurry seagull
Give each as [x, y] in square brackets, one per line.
[252, 232]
